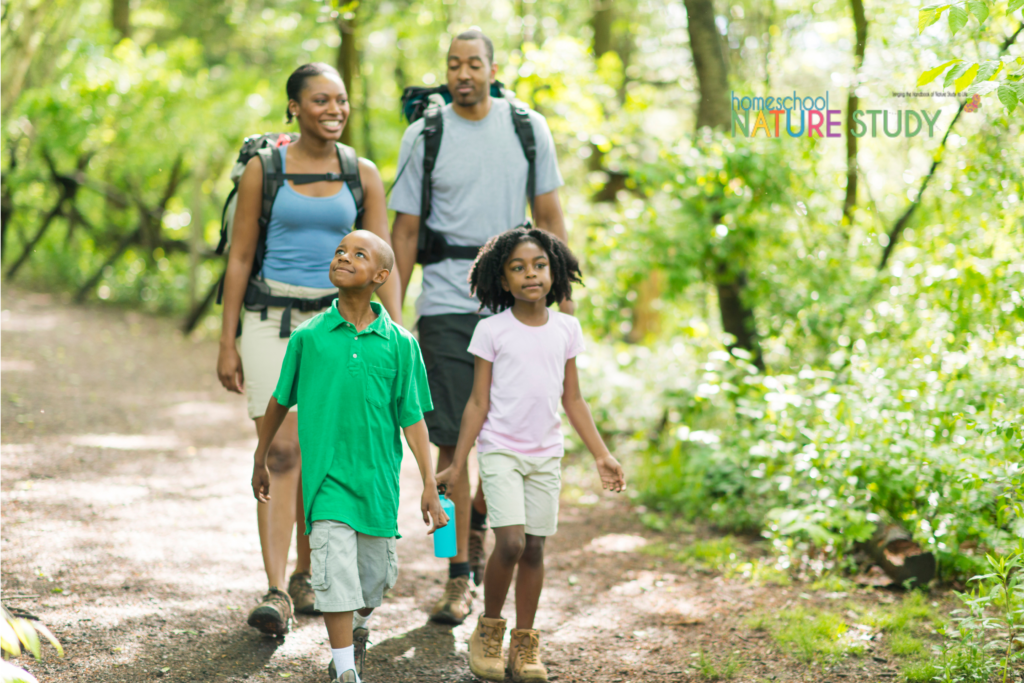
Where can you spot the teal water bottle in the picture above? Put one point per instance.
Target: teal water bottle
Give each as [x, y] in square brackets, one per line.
[445, 544]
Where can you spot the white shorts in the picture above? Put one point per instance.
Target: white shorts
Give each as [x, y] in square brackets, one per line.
[262, 348]
[521, 489]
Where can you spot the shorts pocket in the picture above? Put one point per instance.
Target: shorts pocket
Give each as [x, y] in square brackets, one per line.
[391, 576]
[378, 385]
[318, 545]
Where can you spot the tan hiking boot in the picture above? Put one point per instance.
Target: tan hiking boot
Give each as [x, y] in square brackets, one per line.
[524, 657]
[456, 603]
[300, 590]
[273, 615]
[485, 649]
[477, 559]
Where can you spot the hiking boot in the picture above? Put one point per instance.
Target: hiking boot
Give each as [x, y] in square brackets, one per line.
[360, 636]
[524, 657]
[476, 554]
[485, 649]
[456, 603]
[274, 613]
[300, 590]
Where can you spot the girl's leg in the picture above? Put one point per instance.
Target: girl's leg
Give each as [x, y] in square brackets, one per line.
[277, 517]
[529, 581]
[479, 504]
[508, 548]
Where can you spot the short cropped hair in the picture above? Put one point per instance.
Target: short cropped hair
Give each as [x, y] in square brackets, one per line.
[489, 267]
[477, 34]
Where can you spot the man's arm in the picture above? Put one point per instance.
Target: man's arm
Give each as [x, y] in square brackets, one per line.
[549, 217]
[405, 235]
[473, 418]
[269, 425]
[419, 443]
[375, 219]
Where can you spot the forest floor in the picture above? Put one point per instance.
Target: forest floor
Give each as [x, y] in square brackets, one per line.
[129, 529]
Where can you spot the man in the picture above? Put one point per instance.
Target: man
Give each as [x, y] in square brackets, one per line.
[479, 187]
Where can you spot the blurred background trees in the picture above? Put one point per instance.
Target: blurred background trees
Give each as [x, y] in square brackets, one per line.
[798, 337]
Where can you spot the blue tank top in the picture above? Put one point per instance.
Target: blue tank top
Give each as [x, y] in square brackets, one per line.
[303, 234]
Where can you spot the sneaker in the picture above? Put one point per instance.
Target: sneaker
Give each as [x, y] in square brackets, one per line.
[456, 603]
[524, 657]
[348, 677]
[274, 613]
[485, 649]
[300, 590]
[360, 637]
[476, 554]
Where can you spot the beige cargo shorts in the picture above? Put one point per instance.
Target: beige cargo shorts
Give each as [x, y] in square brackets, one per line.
[350, 570]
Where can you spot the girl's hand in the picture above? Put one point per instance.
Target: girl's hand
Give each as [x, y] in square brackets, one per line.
[447, 476]
[612, 476]
[229, 368]
[430, 505]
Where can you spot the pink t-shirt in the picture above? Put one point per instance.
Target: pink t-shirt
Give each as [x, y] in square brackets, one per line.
[526, 381]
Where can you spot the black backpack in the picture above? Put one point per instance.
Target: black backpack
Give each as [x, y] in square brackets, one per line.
[268, 148]
[426, 103]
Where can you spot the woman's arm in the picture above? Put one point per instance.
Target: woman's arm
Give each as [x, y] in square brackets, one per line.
[578, 412]
[375, 219]
[244, 236]
[472, 420]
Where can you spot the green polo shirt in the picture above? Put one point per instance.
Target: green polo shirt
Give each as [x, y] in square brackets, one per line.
[355, 390]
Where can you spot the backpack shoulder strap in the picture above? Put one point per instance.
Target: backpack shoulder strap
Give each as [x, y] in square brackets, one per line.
[524, 130]
[433, 127]
[273, 178]
[349, 161]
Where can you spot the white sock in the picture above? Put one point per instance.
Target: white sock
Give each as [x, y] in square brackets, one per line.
[359, 621]
[344, 659]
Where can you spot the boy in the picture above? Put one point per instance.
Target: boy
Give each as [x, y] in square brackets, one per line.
[358, 377]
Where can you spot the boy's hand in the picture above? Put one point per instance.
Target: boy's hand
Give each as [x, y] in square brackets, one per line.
[261, 483]
[612, 476]
[430, 504]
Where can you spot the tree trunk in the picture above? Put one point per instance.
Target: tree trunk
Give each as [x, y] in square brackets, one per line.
[852, 104]
[601, 21]
[120, 18]
[713, 111]
[348, 65]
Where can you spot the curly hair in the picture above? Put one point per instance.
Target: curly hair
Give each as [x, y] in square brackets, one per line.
[485, 276]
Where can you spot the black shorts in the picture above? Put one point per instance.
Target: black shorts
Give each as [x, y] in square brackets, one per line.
[444, 340]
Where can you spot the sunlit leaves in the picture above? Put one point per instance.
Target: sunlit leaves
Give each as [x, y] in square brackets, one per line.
[1014, 5]
[956, 72]
[978, 9]
[957, 18]
[931, 74]
[966, 78]
[929, 15]
[1008, 96]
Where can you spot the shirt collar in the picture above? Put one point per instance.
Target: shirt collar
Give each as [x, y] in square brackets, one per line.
[381, 326]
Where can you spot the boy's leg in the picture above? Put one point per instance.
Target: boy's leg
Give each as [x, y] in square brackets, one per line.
[339, 629]
[510, 541]
[529, 581]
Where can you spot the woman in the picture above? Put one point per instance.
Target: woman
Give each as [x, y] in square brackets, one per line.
[307, 222]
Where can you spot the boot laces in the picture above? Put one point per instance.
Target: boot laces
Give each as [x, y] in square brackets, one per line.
[492, 642]
[529, 648]
[455, 590]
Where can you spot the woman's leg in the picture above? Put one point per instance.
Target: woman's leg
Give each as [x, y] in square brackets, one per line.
[529, 581]
[276, 518]
[508, 548]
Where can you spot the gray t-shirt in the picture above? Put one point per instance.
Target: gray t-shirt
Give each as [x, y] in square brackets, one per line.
[479, 191]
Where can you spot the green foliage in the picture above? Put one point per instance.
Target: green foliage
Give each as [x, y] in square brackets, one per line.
[710, 670]
[810, 635]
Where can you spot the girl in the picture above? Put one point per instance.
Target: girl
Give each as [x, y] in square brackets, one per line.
[525, 362]
[306, 224]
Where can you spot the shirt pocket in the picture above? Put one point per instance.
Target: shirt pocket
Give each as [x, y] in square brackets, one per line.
[379, 381]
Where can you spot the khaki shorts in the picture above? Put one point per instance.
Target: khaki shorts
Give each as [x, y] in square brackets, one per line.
[521, 489]
[350, 570]
[262, 348]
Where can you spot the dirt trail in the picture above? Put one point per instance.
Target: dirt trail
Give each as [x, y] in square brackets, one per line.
[129, 528]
